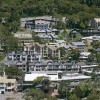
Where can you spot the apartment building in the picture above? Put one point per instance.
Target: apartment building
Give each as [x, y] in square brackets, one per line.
[7, 84]
[47, 50]
[22, 59]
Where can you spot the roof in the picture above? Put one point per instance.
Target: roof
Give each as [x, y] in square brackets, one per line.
[53, 75]
[35, 18]
[40, 45]
[81, 63]
[45, 36]
[85, 53]
[22, 35]
[5, 80]
[75, 76]
[41, 22]
[60, 41]
[52, 47]
[78, 43]
[97, 19]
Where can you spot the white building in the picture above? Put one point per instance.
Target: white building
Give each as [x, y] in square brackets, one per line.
[55, 76]
[52, 75]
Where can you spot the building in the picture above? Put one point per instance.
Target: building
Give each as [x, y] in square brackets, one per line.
[41, 49]
[52, 75]
[53, 51]
[84, 55]
[47, 50]
[53, 66]
[7, 84]
[22, 59]
[24, 37]
[95, 23]
[56, 76]
[90, 39]
[61, 43]
[79, 45]
[42, 24]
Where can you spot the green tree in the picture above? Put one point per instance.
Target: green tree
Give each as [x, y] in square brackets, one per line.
[38, 80]
[73, 97]
[35, 94]
[2, 56]
[63, 89]
[14, 72]
[62, 51]
[94, 95]
[74, 54]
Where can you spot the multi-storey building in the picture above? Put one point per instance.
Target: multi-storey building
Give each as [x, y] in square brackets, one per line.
[47, 50]
[7, 84]
[22, 59]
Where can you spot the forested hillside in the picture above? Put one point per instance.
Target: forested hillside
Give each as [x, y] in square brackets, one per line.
[79, 12]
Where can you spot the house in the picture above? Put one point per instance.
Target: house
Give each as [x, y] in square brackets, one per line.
[7, 84]
[79, 45]
[95, 23]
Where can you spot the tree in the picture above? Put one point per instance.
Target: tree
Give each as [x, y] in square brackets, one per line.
[14, 72]
[35, 94]
[62, 51]
[91, 57]
[74, 54]
[2, 56]
[94, 95]
[73, 97]
[38, 80]
[63, 89]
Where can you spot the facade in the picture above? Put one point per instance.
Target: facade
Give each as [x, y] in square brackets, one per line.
[53, 51]
[52, 75]
[53, 66]
[24, 37]
[41, 49]
[42, 24]
[7, 84]
[79, 45]
[22, 59]
[47, 50]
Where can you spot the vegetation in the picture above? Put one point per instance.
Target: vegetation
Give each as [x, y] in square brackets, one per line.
[74, 10]
[14, 72]
[74, 54]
